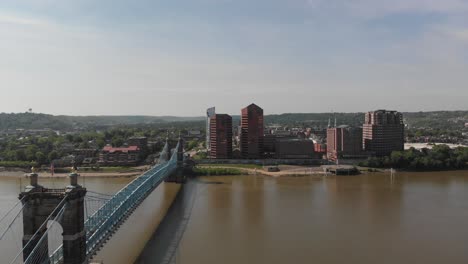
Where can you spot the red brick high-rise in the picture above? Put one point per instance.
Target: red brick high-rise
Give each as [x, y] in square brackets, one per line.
[383, 132]
[251, 134]
[221, 136]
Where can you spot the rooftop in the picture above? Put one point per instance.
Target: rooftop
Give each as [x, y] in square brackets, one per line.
[125, 149]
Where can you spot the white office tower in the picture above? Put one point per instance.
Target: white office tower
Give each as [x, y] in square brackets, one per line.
[210, 112]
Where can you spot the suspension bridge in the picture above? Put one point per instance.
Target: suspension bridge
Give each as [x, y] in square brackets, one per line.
[88, 219]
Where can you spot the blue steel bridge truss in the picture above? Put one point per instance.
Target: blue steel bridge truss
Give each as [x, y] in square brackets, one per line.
[103, 223]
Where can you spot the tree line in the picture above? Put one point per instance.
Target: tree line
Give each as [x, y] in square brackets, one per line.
[20, 150]
[440, 157]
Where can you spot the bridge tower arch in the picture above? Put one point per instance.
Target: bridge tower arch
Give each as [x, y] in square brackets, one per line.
[42, 204]
[178, 176]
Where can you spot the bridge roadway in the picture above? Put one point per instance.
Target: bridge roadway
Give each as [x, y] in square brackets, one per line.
[100, 226]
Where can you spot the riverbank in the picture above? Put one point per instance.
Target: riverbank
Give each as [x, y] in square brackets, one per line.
[16, 174]
[284, 170]
[294, 171]
[102, 172]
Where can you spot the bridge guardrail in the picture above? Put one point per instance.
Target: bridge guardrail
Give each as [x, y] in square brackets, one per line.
[99, 225]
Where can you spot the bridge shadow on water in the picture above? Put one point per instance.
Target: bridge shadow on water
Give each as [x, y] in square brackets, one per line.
[162, 246]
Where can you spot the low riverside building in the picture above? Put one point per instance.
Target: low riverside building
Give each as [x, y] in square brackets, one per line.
[86, 152]
[270, 142]
[294, 149]
[193, 135]
[320, 148]
[126, 156]
[344, 142]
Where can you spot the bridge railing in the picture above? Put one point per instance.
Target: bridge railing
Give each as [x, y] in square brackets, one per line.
[122, 209]
[99, 225]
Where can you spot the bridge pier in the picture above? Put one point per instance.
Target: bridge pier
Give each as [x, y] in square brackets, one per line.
[74, 233]
[43, 204]
[33, 218]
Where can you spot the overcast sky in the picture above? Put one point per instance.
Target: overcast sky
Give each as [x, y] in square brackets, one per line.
[175, 57]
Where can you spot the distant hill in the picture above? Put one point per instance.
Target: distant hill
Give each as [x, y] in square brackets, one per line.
[315, 119]
[124, 120]
[437, 119]
[33, 121]
[38, 121]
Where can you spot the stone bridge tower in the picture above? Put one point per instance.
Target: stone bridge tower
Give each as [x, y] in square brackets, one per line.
[39, 203]
[178, 175]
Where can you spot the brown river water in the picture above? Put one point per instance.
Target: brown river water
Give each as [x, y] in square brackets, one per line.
[416, 218]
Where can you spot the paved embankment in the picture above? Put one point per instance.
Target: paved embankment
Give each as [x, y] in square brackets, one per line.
[285, 170]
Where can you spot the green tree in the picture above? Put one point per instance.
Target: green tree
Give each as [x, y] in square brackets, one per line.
[20, 155]
[100, 142]
[77, 139]
[117, 141]
[84, 145]
[69, 137]
[40, 158]
[53, 155]
[192, 144]
[30, 152]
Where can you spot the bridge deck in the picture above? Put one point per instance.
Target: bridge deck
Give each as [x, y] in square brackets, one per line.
[101, 225]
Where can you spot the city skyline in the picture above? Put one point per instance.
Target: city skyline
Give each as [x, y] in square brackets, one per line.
[145, 57]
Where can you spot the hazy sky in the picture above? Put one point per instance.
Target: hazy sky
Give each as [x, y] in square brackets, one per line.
[179, 57]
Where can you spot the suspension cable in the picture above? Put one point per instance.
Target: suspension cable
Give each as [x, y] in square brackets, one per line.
[9, 211]
[39, 229]
[31, 255]
[12, 222]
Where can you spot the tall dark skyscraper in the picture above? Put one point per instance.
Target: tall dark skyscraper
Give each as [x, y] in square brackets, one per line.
[251, 134]
[383, 132]
[221, 136]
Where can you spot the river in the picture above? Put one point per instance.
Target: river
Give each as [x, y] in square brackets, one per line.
[416, 218]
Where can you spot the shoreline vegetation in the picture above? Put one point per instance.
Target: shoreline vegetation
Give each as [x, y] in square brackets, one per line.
[439, 158]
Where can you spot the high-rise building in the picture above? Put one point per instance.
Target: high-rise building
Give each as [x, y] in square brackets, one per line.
[221, 136]
[251, 138]
[383, 132]
[210, 112]
[344, 142]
